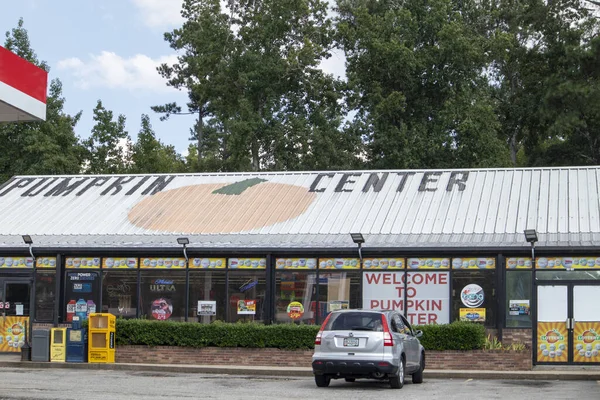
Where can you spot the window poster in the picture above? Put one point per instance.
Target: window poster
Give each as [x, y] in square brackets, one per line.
[82, 294]
[163, 263]
[45, 262]
[207, 263]
[82, 262]
[248, 263]
[296, 263]
[119, 263]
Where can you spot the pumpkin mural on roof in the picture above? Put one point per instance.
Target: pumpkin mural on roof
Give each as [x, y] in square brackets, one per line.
[221, 207]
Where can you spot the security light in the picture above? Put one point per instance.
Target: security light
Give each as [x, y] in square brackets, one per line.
[530, 235]
[184, 241]
[357, 238]
[27, 239]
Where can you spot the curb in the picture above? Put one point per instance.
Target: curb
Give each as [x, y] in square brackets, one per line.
[563, 374]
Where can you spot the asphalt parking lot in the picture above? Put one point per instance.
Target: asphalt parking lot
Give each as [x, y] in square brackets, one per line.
[24, 383]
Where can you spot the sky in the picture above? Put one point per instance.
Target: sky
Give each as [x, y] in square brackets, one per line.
[108, 50]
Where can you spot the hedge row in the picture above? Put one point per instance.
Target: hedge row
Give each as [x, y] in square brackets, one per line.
[455, 336]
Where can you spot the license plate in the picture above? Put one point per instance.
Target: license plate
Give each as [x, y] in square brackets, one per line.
[350, 342]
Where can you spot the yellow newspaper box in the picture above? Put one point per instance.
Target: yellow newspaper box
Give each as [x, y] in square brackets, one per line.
[58, 344]
[101, 344]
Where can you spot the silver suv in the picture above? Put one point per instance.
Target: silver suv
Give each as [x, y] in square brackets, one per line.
[373, 344]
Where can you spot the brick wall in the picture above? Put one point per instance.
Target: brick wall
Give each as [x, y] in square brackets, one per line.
[517, 336]
[471, 360]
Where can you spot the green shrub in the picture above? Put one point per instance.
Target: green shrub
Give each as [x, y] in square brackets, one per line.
[217, 334]
[454, 336]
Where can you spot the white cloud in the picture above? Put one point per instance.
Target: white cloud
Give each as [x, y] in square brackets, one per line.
[160, 13]
[110, 70]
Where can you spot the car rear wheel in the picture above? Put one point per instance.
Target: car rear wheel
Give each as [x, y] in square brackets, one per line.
[322, 380]
[417, 377]
[397, 380]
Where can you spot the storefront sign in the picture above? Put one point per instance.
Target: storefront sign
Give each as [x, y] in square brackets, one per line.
[472, 296]
[518, 307]
[518, 263]
[339, 263]
[45, 262]
[12, 333]
[296, 263]
[120, 263]
[16, 262]
[207, 263]
[82, 262]
[428, 263]
[248, 263]
[427, 294]
[586, 339]
[82, 294]
[472, 314]
[473, 263]
[295, 310]
[582, 262]
[162, 285]
[552, 342]
[207, 307]
[163, 263]
[383, 263]
[247, 307]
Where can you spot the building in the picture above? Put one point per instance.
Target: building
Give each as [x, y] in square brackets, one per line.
[277, 247]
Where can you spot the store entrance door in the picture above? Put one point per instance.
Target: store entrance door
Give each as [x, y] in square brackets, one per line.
[568, 324]
[15, 296]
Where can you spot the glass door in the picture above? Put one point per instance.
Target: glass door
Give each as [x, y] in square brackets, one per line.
[586, 324]
[568, 323]
[15, 301]
[552, 338]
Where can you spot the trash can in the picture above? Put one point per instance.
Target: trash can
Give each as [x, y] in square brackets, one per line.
[76, 345]
[58, 344]
[40, 345]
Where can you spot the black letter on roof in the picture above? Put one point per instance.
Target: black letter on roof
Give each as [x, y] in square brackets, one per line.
[20, 183]
[429, 177]
[313, 187]
[158, 185]
[404, 176]
[117, 185]
[376, 182]
[345, 179]
[460, 182]
[32, 192]
[95, 182]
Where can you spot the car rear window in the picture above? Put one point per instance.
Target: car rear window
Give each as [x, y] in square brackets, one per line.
[355, 321]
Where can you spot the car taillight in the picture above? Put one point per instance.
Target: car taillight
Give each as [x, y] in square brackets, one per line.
[387, 336]
[318, 338]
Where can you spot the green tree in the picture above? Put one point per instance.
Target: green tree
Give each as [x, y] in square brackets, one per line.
[252, 71]
[149, 155]
[415, 80]
[108, 147]
[49, 147]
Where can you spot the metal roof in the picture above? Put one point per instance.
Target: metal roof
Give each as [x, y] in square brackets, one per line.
[393, 209]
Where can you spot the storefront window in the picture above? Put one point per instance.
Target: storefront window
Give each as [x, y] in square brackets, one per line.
[295, 296]
[162, 295]
[45, 297]
[246, 296]
[518, 299]
[207, 296]
[337, 290]
[474, 296]
[119, 293]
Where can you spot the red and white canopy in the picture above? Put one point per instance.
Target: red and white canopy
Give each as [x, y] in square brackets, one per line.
[22, 89]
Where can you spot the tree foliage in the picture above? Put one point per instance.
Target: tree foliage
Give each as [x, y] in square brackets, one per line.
[149, 155]
[48, 147]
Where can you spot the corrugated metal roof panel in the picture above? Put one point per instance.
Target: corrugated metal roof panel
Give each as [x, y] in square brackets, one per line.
[460, 208]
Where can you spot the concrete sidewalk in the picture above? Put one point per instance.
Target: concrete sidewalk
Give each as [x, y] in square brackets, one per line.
[538, 373]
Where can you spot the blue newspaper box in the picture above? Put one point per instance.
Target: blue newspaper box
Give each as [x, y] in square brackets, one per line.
[76, 343]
